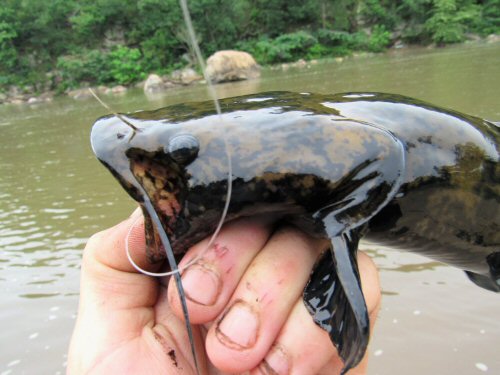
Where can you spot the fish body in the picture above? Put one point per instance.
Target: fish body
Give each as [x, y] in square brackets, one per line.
[385, 168]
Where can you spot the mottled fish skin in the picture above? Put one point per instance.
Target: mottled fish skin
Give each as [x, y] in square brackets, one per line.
[386, 168]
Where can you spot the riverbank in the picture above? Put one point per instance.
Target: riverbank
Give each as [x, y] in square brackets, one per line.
[184, 77]
[27, 95]
[50, 47]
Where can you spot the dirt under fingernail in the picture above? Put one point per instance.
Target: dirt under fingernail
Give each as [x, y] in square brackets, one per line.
[276, 362]
[238, 328]
[201, 284]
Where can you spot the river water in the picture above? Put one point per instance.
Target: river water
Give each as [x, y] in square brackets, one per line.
[54, 195]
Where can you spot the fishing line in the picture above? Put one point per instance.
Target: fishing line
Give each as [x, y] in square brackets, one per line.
[173, 265]
[213, 94]
[211, 90]
[175, 271]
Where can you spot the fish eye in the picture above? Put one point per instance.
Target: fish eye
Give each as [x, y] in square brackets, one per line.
[183, 148]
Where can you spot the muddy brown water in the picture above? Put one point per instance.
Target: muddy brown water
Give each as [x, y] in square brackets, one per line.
[54, 195]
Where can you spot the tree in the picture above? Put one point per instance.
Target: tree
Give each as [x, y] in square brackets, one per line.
[449, 19]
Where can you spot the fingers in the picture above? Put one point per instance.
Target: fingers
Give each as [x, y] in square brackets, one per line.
[262, 302]
[300, 348]
[259, 292]
[210, 282]
[303, 348]
[260, 321]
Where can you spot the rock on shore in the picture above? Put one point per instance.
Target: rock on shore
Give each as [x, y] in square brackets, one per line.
[153, 84]
[229, 65]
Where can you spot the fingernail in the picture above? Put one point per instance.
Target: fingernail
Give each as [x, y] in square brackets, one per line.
[201, 284]
[276, 362]
[238, 327]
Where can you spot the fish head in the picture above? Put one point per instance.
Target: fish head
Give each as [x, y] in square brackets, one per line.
[180, 157]
[178, 164]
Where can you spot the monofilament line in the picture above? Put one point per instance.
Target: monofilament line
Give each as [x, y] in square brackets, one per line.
[197, 52]
[213, 94]
[211, 90]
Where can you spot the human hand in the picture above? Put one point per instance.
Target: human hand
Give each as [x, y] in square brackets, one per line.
[244, 301]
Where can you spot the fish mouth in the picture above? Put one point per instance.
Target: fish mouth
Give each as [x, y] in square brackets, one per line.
[145, 174]
[108, 137]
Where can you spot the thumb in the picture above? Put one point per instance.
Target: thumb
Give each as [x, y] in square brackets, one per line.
[110, 246]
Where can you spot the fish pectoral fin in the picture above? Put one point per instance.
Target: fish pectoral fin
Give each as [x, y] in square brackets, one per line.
[334, 298]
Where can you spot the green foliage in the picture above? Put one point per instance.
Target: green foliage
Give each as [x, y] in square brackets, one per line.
[8, 52]
[323, 43]
[294, 46]
[380, 13]
[332, 38]
[286, 47]
[125, 65]
[276, 17]
[413, 14]
[449, 20]
[490, 18]
[338, 43]
[119, 41]
[122, 65]
[91, 66]
[380, 39]
[340, 15]
[442, 25]
[162, 38]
